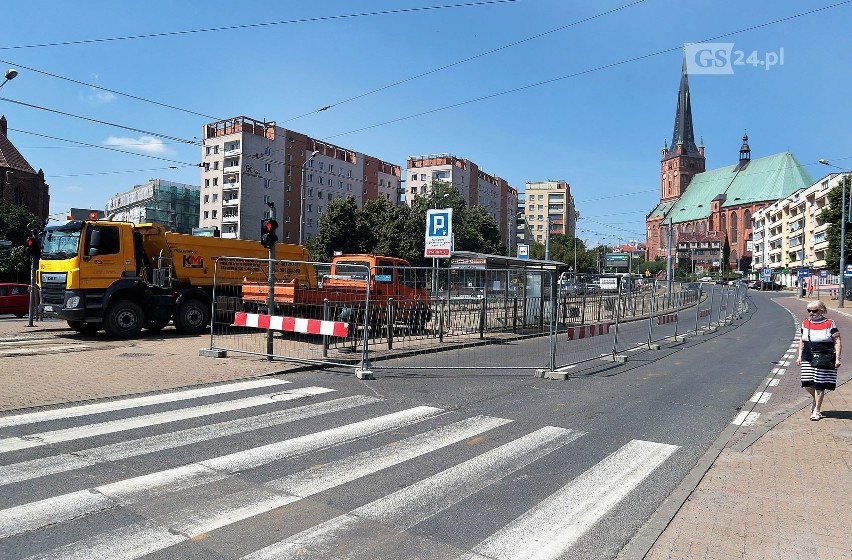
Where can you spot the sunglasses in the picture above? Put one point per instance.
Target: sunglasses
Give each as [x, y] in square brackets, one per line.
[813, 310]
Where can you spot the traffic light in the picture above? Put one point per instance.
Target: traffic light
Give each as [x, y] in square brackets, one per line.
[32, 247]
[268, 237]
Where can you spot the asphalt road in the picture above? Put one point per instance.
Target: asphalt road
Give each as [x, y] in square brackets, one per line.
[481, 463]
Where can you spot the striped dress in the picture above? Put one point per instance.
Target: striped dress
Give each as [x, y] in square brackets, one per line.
[818, 335]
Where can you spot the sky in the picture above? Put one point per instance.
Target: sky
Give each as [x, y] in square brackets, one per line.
[529, 90]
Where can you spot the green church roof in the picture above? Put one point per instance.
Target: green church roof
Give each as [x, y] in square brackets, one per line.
[766, 179]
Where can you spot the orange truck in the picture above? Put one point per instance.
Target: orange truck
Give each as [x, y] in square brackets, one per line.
[344, 291]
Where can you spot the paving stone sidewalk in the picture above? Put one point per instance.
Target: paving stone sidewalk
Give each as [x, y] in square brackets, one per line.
[786, 496]
[42, 365]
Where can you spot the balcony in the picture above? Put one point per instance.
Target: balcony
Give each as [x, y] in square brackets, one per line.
[230, 218]
[231, 186]
[231, 169]
[233, 153]
[230, 202]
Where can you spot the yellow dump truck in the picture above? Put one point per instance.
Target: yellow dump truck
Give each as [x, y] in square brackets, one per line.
[121, 277]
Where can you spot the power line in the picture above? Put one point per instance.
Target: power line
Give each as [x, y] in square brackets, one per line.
[120, 172]
[464, 60]
[102, 147]
[257, 25]
[107, 123]
[116, 92]
[588, 70]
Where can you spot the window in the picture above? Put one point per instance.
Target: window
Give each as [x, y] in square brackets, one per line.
[320, 181]
[206, 183]
[289, 172]
[268, 167]
[330, 168]
[288, 204]
[267, 151]
[289, 188]
[310, 207]
[216, 149]
[215, 181]
[319, 194]
[215, 212]
[422, 176]
[267, 199]
[206, 214]
[266, 215]
[289, 157]
[319, 209]
[215, 165]
[329, 196]
[206, 198]
[287, 220]
[311, 193]
[310, 177]
[267, 183]
[109, 244]
[207, 151]
[311, 163]
[321, 165]
[215, 197]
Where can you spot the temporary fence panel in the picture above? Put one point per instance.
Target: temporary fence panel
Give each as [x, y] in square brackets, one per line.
[295, 313]
[479, 319]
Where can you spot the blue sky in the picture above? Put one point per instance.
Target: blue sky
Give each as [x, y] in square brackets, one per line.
[598, 126]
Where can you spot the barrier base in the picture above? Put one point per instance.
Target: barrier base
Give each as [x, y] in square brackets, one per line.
[364, 374]
[655, 347]
[211, 353]
[619, 358]
[550, 374]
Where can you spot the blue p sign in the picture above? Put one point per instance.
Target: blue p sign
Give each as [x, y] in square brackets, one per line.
[438, 225]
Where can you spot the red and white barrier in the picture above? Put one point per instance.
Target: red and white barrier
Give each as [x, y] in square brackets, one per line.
[663, 319]
[291, 324]
[585, 331]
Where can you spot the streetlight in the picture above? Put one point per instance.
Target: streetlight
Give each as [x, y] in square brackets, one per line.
[9, 75]
[302, 196]
[842, 233]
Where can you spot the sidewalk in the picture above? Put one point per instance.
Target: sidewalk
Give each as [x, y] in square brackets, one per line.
[786, 496]
[47, 369]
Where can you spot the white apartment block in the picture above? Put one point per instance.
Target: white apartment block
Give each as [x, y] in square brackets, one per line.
[478, 188]
[553, 201]
[788, 234]
[249, 164]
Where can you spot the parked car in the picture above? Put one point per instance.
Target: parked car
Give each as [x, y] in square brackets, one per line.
[14, 299]
[774, 286]
[705, 279]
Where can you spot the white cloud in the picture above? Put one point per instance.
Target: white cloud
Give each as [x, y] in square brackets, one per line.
[145, 144]
[99, 97]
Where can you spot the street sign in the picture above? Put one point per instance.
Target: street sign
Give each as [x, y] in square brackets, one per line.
[439, 232]
[617, 260]
[523, 251]
[823, 274]
[804, 273]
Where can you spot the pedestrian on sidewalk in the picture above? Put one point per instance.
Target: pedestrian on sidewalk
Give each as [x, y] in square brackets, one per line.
[820, 337]
[810, 290]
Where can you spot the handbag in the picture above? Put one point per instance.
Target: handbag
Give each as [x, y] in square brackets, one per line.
[822, 360]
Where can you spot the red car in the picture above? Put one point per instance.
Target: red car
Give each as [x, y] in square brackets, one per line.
[14, 299]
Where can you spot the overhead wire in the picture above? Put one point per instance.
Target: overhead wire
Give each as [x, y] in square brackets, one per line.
[258, 25]
[119, 172]
[588, 70]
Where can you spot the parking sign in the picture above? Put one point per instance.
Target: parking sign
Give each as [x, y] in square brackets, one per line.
[439, 232]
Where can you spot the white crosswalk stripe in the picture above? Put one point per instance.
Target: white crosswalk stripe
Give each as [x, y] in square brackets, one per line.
[192, 495]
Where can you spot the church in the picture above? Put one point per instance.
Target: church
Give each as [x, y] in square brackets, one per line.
[704, 207]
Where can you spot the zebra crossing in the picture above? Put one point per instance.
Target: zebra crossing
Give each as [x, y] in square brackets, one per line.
[176, 473]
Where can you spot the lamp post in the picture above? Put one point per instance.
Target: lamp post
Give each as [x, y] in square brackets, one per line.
[9, 75]
[302, 197]
[547, 239]
[842, 233]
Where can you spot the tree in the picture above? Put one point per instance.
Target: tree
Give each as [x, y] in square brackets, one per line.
[337, 230]
[15, 223]
[725, 266]
[832, 215]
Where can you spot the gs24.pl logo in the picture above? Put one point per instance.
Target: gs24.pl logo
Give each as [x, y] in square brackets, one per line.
[722, 58]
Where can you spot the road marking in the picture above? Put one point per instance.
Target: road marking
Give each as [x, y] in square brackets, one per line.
[144, 421]
[746, 418]
[123, 404]
[548, 529]
[64, 462]
[774, 382]
[187, 523]
[35, 515]
[409, 506]
[760, 397]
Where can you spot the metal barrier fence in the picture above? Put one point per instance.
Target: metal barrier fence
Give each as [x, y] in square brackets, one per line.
[396, 317]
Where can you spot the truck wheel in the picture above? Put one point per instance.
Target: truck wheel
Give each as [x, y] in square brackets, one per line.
[124, 319]
[192, 317]
[83, 327]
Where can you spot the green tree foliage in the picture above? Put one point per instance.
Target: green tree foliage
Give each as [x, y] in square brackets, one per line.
[832, 214]
[725, 265]
[14, 222]
[337, 230]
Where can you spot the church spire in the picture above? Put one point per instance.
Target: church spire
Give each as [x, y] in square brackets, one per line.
[683, 137]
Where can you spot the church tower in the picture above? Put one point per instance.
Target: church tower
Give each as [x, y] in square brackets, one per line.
[683, 159]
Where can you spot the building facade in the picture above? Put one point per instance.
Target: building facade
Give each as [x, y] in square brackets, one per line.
[20, 184]
[705, 205]
[550, 202]
[253, 170]
[788, 235]
[478, 188]
[175, 205]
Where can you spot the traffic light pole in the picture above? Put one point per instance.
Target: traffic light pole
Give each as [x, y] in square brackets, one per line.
[270, 297]
[33, 288]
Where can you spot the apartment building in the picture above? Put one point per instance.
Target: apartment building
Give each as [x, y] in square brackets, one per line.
[478, 188]
[789, 235]
[253, 170]
[175, 205]
[550, 202]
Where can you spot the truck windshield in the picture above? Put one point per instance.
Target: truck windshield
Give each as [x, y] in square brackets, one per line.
[61, 243]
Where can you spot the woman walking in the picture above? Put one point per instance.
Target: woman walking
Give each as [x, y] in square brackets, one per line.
[819, 355]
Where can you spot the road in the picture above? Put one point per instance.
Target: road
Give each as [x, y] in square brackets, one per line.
[447, 464]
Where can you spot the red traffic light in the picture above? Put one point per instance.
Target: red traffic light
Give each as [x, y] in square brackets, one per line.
[268, 237]
[270, 225]
[32, 247]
